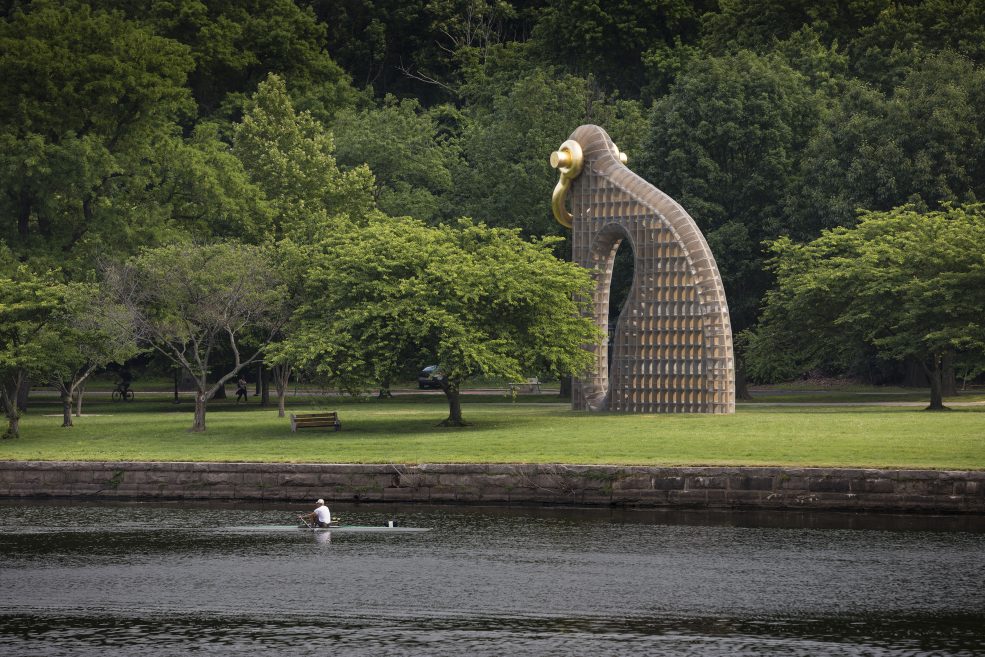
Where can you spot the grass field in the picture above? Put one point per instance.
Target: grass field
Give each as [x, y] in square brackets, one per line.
[535, 429]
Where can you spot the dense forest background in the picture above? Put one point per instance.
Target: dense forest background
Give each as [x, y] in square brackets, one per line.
[125, 123]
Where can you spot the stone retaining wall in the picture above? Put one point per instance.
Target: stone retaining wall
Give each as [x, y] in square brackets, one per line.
[691, 487]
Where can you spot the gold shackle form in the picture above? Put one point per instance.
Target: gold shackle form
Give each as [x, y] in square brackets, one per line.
[568, 160]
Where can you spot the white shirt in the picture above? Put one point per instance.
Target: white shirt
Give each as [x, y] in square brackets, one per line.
[323, 514]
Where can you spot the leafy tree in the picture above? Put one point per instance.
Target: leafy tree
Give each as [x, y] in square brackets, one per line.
[908, 284]
[415, 48]
[29, 304]
[208, 193]
[724, 143]
[825, 66]
[289, 155]
[284, 355]
[613, 40]
[881, 39]
[87, 99]
[185, 301]
[86, 334]
[235, 44]
[476, 300]
[903, 33]
[922, 144]
[758, 24]
[372, 38]
[409, 156]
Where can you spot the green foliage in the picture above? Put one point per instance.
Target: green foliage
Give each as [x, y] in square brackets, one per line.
[908, 284]
[880, 38]
[289, 156]
[417, 47]
[724, 143]
[30, 304]
[758, 24]
[208, 191]
[133, 123]
[87, 100]
[921, 144]
[396, 295]
[186, 300]
[905, 32]
[235, 44]
[611, 40]
[411, 160]
[88, 332]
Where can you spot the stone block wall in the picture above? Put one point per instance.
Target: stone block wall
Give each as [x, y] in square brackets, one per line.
[507, 484]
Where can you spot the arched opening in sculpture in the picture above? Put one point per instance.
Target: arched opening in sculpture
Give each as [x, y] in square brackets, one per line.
[623, 271]
[615, 257]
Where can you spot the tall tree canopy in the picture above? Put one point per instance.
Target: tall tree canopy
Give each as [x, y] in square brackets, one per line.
[235, 44]
[909, 284]
[922, 143]
[290, 157]
[614, 41]
[87, 101]
[410, 158]
[477, 301]
[506, 146]
[185, 301]
[29, 304]
[724, 143]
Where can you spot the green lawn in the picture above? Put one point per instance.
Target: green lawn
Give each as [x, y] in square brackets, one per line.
[402, 430]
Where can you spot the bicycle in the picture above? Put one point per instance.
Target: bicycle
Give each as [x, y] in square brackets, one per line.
[122, 393]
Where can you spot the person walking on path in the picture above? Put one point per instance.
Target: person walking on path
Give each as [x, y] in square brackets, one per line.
[241, 390]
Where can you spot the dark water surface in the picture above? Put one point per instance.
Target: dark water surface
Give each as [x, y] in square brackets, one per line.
[159, 579]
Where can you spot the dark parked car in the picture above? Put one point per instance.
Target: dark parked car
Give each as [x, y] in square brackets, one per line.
[429, 377]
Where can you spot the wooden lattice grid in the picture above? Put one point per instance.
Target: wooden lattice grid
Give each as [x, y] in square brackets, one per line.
[672, 344]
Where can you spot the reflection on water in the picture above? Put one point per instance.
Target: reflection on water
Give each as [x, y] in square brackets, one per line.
[163, 579]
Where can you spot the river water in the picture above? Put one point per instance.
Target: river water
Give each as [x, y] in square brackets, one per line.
[161, 579]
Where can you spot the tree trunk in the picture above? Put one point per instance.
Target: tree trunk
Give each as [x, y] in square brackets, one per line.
[9, 389]
[282, 377]
[281, 397]
[201, 398]
[23, 390]
[264, 386]
[934, 374]
[220, 392]
[741, 385]
[78, 401]
[13, 424]
[66, 408]
[566, 386]
[949, 381]
[384, 389]
[454, 418]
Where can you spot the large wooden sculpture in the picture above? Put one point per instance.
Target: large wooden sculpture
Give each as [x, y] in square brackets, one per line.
[672, 344]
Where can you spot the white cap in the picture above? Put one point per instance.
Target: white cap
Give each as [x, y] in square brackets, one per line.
[320, 501]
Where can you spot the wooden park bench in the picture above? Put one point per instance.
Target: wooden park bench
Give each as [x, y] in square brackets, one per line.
[314, 420]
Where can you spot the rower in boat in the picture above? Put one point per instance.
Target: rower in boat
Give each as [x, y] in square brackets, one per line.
[320, 517]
